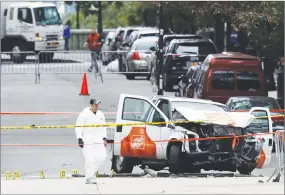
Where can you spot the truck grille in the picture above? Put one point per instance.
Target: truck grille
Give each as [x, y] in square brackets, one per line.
[51, 37]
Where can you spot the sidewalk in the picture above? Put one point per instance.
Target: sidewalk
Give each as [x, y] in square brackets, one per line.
[143, 186]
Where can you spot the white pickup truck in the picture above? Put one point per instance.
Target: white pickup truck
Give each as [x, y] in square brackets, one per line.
[165, 145]
[30, 26]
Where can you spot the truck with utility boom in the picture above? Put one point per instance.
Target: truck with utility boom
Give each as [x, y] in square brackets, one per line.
[30, 27]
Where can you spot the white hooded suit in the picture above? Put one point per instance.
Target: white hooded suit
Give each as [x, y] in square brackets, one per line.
[94, 150]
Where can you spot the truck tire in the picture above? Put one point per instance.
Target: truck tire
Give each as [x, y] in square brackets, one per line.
[18, 58]
[246, 169]
[45, 57]
[156, 167]
[175, 159]
[130, 76]
[122, 164]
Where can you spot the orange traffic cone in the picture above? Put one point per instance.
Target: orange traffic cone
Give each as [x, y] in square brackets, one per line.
[84, 86]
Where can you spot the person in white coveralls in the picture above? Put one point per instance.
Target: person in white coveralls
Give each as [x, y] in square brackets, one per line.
[92, 139]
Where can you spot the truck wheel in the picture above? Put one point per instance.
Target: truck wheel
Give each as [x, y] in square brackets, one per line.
[45, 57]
[175, 159]
[245, 169]
[156, 167]
[17, 57]
[130, 77]
[122, 164]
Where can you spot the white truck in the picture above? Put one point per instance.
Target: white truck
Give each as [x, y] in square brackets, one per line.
[30, 26]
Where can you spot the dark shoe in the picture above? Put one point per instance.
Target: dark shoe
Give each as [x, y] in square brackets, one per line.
[89, 70]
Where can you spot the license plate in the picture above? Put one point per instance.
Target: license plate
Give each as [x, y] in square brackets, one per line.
[53, 44]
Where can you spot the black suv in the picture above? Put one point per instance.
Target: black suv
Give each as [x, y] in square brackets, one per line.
[181, 54]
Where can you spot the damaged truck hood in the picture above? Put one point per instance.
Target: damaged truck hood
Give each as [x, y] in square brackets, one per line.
[236, 119]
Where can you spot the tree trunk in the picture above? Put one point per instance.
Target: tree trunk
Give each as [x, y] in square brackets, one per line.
[77, 23]
[100, 25]
[219, 31]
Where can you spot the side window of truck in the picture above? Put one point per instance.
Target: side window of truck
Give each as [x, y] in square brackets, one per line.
[11, 14]
[5, 12]
[25, 15]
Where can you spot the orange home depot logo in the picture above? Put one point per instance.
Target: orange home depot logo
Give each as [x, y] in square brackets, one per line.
[138, 144]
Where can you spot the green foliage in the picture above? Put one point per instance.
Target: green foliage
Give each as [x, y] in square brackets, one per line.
[114, 14]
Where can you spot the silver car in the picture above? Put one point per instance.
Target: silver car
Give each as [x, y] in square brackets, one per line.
[107, 48]
[138, 58]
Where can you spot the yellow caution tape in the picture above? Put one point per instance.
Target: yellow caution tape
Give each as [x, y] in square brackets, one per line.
[103, 125]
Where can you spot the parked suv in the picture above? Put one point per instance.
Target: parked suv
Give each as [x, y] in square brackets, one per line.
[178, 57]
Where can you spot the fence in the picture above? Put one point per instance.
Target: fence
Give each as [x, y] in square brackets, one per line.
[75, 62]
[79, 36]
[280, 149]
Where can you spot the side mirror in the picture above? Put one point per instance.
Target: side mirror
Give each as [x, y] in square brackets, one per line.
[152, 49]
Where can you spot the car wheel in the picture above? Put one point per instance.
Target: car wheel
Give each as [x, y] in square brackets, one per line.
[122, 164]
[175, 159]
[17, 57]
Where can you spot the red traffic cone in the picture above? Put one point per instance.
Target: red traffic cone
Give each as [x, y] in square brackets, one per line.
[84, 86]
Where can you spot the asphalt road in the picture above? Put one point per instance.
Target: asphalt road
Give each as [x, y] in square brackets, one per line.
[58, 93]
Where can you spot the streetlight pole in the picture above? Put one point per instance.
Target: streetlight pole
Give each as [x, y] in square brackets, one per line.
[160, 50]
[100, 26]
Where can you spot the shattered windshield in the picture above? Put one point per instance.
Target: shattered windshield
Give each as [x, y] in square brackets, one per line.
[47, 16]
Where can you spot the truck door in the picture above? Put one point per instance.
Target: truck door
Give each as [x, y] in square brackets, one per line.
[138, 140]
[25, 22]
[262, 124]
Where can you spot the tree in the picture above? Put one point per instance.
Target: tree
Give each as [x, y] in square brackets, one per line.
[83, 6]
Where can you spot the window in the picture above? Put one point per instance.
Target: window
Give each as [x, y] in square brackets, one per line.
[201, 48]
[25, 15]
[5, 12]
[145, 45]
[248, 81]
[149, 35]
[47, 16]
[224, 80]
[157, 117]
[163, 105]
[11, 14]
[260, 124]
[136, 109]
[247, 104]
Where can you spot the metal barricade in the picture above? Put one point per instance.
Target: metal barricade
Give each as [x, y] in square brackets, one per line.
[280, 149]
[19, 63]
[69, 62]
[130, 63]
